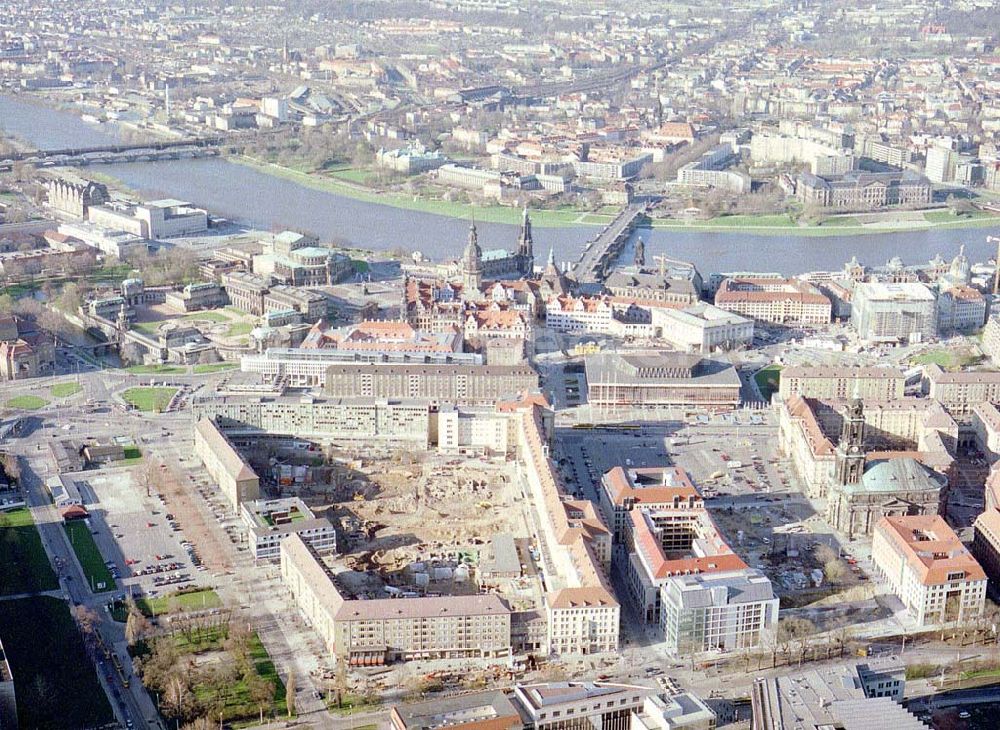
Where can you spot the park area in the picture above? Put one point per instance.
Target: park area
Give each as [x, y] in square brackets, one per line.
[54, 679]
[215, 668]
[151, 399]
[768, 380]
[96, 572]
[24, 566]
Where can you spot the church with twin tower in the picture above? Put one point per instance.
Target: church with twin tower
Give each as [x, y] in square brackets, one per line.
[477, 266]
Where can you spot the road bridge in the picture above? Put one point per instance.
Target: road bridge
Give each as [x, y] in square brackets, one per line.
[101, 156]
[36, 155]
[600, 253]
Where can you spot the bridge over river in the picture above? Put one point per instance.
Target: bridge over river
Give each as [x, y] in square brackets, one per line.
[600, 253]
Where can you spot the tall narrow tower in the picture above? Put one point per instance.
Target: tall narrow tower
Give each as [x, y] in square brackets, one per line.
[850, 457]
[526, 246]
[472, 264]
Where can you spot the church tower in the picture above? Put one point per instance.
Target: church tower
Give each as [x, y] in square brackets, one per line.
[850, 459]
[472, 265]
[525, 247]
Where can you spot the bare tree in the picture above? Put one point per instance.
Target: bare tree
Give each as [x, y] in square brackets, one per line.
[290, 693]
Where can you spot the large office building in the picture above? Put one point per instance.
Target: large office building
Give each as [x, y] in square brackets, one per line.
[236, 478]
[777, 301]
[626, 488]
[840, 383]
[887, 312]
[856, 190]
[661, 380]
[929, 569]
[986, 533]
[443, 383]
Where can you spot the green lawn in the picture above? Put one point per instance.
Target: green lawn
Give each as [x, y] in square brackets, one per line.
[207, 316]
[133, 455]
[750, 221]
[214, 367]
[358, 177]
[768, 379]
[146, 328]
[844, 221]
[171, 603]
[238, 704]
[487, 214]
[157, 369]
[27, 402]
[239, 329]
[64, 390]
[154, 399]
[98, 576]
[194, 601]
[352, 704]
[24, 566]
[947, 359]
[54, 679]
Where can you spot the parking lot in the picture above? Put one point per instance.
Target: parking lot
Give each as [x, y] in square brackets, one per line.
[142, 545]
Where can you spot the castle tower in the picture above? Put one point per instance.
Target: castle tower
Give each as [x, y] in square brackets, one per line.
[850, 457]
[526, 246]
[472, 264]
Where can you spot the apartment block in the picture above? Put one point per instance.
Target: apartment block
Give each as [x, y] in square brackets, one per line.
[869, 384]
[446, 383]
[380, 631]
[960, 391]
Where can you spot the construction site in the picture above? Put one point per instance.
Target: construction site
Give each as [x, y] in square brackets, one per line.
[434, 526]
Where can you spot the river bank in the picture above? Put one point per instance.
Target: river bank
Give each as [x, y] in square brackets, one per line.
[762, 225]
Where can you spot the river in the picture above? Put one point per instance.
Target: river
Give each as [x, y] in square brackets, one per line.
[245, 194]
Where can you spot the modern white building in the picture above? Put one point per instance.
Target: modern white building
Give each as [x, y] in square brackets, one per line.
[728, 611]
[702, 328]
[268, 522]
